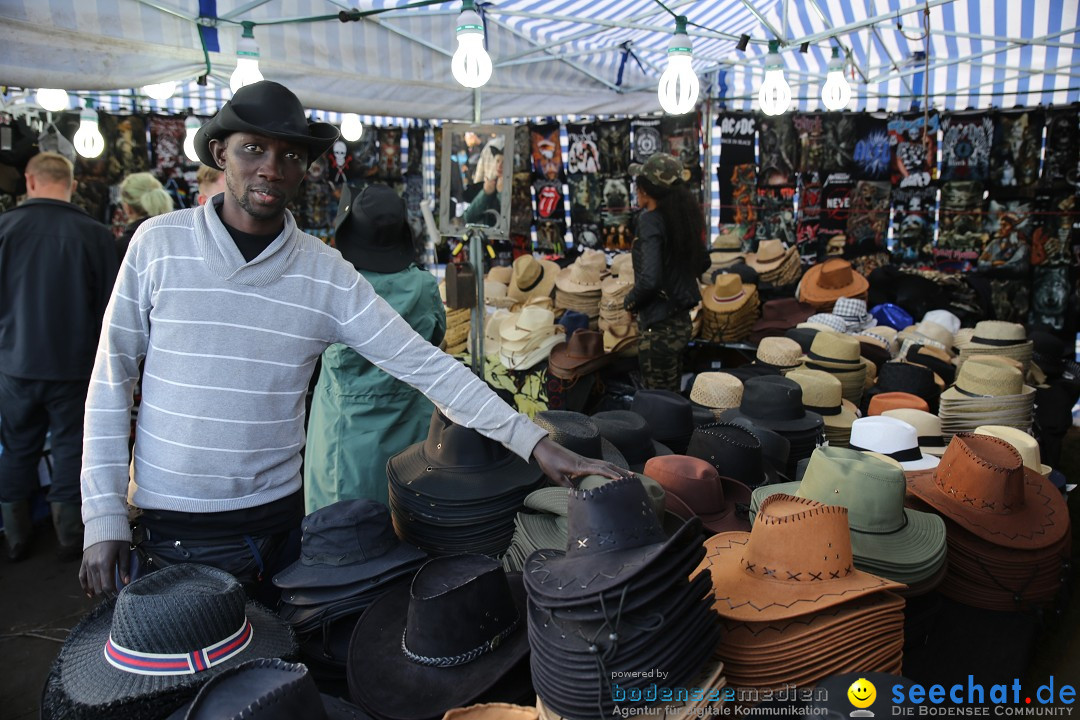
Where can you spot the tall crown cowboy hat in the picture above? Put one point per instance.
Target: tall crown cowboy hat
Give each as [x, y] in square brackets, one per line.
[265, 108]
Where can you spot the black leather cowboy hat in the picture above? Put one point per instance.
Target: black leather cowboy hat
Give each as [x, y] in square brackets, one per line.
[371, 229]
[265, 108]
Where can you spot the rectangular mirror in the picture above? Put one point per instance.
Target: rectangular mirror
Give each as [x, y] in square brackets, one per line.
[475, 180]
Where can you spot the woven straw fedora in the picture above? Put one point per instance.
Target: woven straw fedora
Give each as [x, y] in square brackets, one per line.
[822, 393]
[717, 390]
[796, 560]
[531, 278]
[929, 333]
[983, 379]
[769, 255]
[779, 352]
[835, 351]
[926, 425]
[580, 277]
[999, 336]
[982, 484]
[728, 294]
[892, 437]
[887, 401]
[825, 282]
[168, 631]
[501, 274]
[1025, 444]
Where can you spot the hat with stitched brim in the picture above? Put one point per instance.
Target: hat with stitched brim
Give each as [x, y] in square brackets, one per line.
[1025, 444]
[265, 108]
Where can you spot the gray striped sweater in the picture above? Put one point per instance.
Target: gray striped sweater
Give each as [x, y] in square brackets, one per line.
[229, 349]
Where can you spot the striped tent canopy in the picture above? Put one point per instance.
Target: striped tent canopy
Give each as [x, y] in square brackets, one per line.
[552, 57]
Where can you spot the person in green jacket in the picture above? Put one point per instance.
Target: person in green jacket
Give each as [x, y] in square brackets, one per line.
[360, 415]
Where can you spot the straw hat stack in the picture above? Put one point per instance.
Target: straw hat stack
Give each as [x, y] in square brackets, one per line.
[730, 309]
[458, 324]
[496, 287]
[929, 334]
[1007, 527]
[579, 286]
[775, 265]
[794, 607]
[823, 394]
[613, 291]
[986, 392]
[526, 338]
[1004, 339]
[839, 355]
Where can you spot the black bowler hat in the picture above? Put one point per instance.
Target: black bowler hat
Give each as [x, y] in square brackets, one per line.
[265, 108]
[371, 230]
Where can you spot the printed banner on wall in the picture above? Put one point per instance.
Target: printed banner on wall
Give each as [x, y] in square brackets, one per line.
[582, 149]
[1062, 150]
[1014, 155]
[738, 201]
[913, 139]
[1009, 225]
[961, 237]
[1050, 296]
[682, 139]
[965, 146]
[614, 147]
[778, 150]
[868, 221]
[738, 135]
[546, 151]
[826, 141]
[873, 153]
[776, 215]
[913, 225]
[1054, 228]
[647, 140]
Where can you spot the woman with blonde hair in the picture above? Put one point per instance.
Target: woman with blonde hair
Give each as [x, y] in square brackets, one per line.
[142, 197]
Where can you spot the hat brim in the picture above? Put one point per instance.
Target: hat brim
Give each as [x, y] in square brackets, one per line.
[382, 679]
[728, 519]
[809, 421]
[89, 681]
[299, 575]
[320, 138]
[809, 292]
[421, 475]
[1042, 520]
[543, 287]
[742, 596]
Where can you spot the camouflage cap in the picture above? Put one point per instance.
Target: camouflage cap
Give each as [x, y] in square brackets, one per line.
[660, 169]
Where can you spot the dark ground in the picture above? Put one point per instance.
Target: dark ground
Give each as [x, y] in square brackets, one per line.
[40, 601]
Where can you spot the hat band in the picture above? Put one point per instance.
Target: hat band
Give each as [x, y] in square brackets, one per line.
[465, 657]
[534, 283]
[729, 298]
[931, 441]
[997, 343]
[821, 410]
[141, 663]
[903, 525]
[971, 394]
[907, 455]
[822, 358]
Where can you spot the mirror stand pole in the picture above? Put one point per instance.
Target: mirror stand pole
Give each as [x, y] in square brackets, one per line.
[477, 240]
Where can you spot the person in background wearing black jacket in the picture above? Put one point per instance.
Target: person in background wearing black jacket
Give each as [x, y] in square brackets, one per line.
[669, 255]
[57, 269]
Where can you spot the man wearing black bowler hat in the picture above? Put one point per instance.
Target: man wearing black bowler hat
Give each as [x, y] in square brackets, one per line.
[228, 306]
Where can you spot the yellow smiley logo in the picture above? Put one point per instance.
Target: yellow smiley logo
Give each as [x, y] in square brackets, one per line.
[862, 693]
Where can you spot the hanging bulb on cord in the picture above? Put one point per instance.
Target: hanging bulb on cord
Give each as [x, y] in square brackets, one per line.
[88, 140]
[351, 127]
[52, 99]
[471, 64]
[191, 126]
[775, 94]
[160, 91]
[247, 60]
[836, 92]
[678, 89]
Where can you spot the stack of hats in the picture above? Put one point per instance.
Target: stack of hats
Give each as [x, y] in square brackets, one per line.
[795, 608]
[693, 488]
[944, 318]
[579, 433]
[730, 309]
[1007, 526]
[778, 316]
[492, 340]
[878, 344]
[670, 417]
[1025, 444]
[823, 394]
[839, 355]
[775, 265]
[458, 324]
[902, 377]
[1005, 339]
[453, 637]
[496, 286]
[927, 428]
[630, 435]
[458, 491]
[545, 527]
[613, 292]
[931, 357]
[734, 450]
[622, 340]
[887, 539]
[616, 604]
[777, 355]
[582, 354]
[349, 557]
[825, 321]
[776, 403]
[884, 402]
[531, 278]
[712, 393]
[927, 333]
[527, 337]
[986, 392]
[825, 283]
[579, 286]
[893, 438]
[622, 267]
[854, 314]
[725, 252]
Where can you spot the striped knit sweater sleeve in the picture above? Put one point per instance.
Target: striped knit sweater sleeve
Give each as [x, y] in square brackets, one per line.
[228, 349]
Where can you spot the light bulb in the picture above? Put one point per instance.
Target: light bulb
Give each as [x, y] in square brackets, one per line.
[247, 60]
[88, 140]
[836, 92]
[52, 99]
[191, 126]
[160, 91]
[351, 127]
[471, 64]
[774, 96]
[678, 89]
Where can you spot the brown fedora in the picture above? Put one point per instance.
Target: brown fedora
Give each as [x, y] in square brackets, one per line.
[695, 488]
[797, 559]
[582, 354]
[982, 484]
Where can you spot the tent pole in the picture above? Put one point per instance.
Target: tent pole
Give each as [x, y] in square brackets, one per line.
[476, 259]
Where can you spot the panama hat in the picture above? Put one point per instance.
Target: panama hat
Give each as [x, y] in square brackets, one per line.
[823, 394]
[983, 485]
[531, 278]
[983, 380]
[778, 352]
[501, 274]
[717, 390]
[893, 437]
[1025, 444]
[796, 560]
[823, 283]
[265, 108]
[927, 426]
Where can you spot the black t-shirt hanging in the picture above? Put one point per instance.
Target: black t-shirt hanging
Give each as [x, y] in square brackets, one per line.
[737, 138]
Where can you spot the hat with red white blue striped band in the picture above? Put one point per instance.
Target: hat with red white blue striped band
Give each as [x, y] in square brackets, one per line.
[162, 638]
